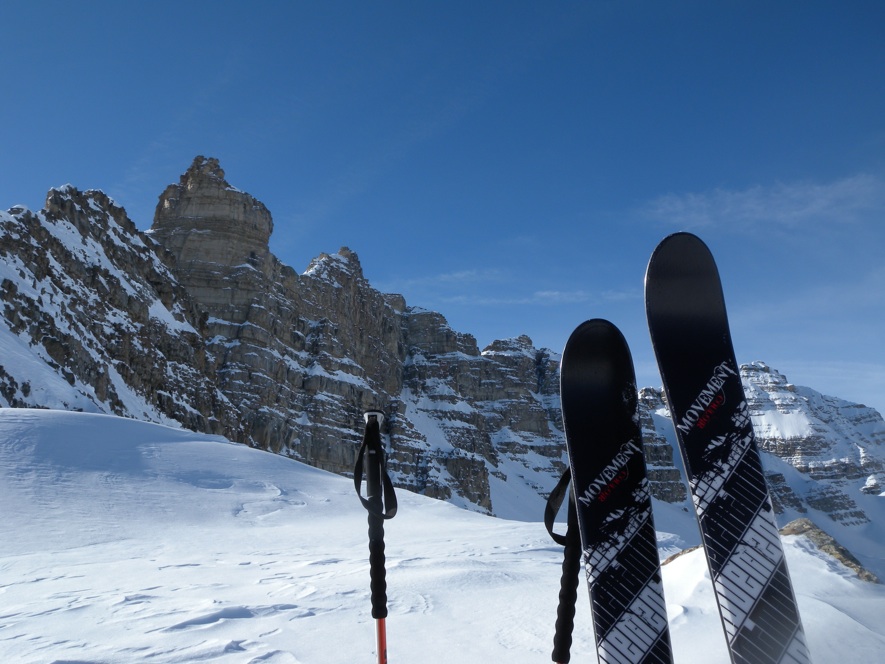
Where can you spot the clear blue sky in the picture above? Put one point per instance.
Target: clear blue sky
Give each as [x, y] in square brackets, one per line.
[509, 164]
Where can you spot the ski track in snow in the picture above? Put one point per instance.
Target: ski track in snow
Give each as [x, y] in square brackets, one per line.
[131, 542]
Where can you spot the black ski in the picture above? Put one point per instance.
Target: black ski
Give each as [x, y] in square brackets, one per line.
[692, 342]
[612, 499]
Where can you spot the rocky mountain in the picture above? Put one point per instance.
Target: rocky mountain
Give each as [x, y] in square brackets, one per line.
[196, 323]
[823, 456]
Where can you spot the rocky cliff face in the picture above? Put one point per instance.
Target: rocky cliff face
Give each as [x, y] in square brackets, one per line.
[108, 324]
[303, 355]
[824, 457]
[196, 322]
[838, 446]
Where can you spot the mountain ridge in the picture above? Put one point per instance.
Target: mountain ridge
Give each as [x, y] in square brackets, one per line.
[195, 322]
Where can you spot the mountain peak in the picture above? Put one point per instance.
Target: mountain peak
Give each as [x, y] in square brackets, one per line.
[204, 220]
[203, 170]
[521, 345]
[329, 267]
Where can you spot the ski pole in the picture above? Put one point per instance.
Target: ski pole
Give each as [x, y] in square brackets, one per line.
[380, 502]
[571, 566]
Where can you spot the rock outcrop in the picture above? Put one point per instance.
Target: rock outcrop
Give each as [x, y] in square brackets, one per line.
[825, 543]
[204, 221]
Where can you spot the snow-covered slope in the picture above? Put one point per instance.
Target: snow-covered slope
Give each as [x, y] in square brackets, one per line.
[129, 542]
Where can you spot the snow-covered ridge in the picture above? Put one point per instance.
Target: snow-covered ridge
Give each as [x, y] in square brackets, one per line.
[271, 358]
[326, 266]
[833, 431]
[87, 299]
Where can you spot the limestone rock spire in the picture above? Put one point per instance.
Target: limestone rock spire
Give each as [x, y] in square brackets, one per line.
[203, 219]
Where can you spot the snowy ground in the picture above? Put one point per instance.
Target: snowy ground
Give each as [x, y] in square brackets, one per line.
[128, 542]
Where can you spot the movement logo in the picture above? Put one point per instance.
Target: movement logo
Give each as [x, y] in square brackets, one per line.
[612, 475]
[708, 401]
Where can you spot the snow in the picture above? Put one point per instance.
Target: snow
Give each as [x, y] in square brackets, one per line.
[127, 541]
[324, 265]
[46, 385]
[341, 376]
[87, 249]
[158, 311]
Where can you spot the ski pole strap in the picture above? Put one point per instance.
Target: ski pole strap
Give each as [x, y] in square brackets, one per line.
[554, 502]
[372, 452]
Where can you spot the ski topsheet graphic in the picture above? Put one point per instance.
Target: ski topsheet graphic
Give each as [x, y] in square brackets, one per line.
[612, 499]
[692, 342]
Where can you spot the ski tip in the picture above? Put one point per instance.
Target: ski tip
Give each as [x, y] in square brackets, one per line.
[678, 254]
[599, 346]
[377, 414]
[581, 332]
[595, 328]
[593, 324]
[680, 239]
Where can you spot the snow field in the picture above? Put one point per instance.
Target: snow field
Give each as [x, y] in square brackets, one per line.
[131, 542]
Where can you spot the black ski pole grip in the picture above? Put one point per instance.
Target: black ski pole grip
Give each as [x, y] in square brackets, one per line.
[374, 466]
[377, 572]
[568, 589]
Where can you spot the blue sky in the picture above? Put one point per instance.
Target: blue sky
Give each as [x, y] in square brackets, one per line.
[509, 164]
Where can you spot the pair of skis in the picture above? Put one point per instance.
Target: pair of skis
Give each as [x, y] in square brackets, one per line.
[610, 500]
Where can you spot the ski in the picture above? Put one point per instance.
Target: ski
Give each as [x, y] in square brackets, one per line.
[612, 499]
[692, 342]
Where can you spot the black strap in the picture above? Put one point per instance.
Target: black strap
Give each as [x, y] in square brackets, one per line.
[372, 446]
[554, 502]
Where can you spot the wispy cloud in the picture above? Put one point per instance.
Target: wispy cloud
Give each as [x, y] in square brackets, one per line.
[549, 298]
[470, 276]
[494, 287]
[822, 307]
[559, 297]
[463, 278]
[784, 204]
[544, 298]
